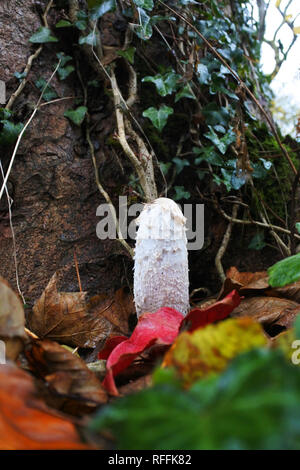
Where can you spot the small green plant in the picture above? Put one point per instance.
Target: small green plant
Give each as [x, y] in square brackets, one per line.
[285, 271]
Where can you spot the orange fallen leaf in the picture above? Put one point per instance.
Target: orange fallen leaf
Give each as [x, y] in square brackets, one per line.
[26, 422]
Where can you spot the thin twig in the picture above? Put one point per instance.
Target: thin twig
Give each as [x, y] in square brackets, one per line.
[9, 202]
[77, 271]
[224, 244]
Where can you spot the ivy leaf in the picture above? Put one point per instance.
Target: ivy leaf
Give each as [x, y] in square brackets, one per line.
[185, 92]
[82, 15]
[180, 163]
[9, 132]
[260, 170]
[64, 59]
[238, 179]
[222, 143]
[77, 115]
[147, 4]
[203, 74]
[165, 84]
[5, 113]
[101, 8]
[158, 117]
[64, 72]
[90, 39]
[48, 93]
[257, 242]
[215, 115]
[144, 30]
[285, 271]
[63, 24]
[181, 193]
[19, 75]
[42, 36]
[227, 176]
[128, 54]
[297, 225]
[81, 25]
[165, 167]
[209, 155]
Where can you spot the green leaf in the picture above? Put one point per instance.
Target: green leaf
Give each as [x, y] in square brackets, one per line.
[203, 74]
[77, 115]
[144, 29]
[227, 176]
[64, 72]
[63, 24]
[180, 163]
[128, 54]
[19, 75]
[5, 113]
[215, 115]
[146, 4]
[185, 92]
[9, 132]
[82, 15]
[260, 170]
[158, 117]
[81, 25]
[254, 404]
[48, 92]
[165, 167]
[285, 271]
[42, 36]
[165, 84]
[64, 59]
[222, 143]
[101, 8]
[181, 193]
[257, 242]
[209, 155]
[90, 39]
[238, 179]
[297, 226]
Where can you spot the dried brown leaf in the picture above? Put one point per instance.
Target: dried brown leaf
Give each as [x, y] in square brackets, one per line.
[272, 312]
[69, 319]
[246, 283]
[291, 291]
[67, 375]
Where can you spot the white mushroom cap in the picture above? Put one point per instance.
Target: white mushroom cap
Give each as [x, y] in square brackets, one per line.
[161, 259]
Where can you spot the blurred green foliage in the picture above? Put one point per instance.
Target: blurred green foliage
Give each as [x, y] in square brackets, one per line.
[254, 404]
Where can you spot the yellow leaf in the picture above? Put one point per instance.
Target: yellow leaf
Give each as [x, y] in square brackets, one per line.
[277, 4]
[288, 17]
[208, 350]
[296, 29]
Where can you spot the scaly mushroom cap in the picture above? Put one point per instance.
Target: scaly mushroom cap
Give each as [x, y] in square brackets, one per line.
[161, 258]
